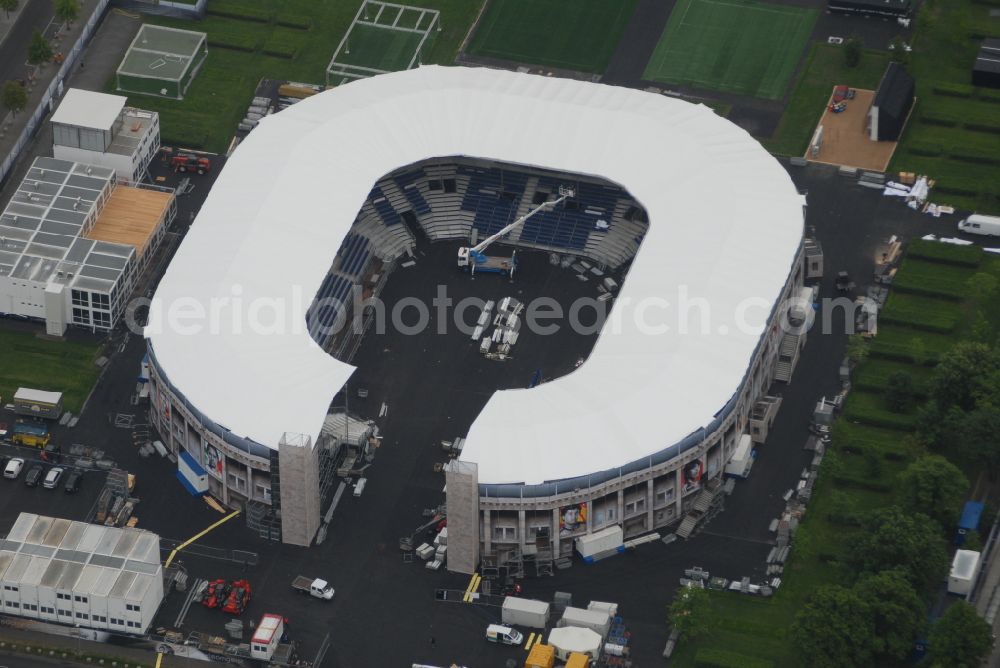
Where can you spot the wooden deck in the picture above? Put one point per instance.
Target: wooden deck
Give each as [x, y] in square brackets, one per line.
[845, 137]
[130, 217]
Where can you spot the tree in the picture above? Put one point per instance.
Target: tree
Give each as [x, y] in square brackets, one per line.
[852, 52]
[980, 437]
[896, 612]
[934, 486]
[67, 10]
[8, 6]
[857, 348]
[892, 539]
[689, 612]
[900, 392]
[898, 50]
[39, 50]
[959, 639]
[15, 97]
[834, 630]
[965, 374]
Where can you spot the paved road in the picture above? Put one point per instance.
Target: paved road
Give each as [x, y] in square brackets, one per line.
[36, 14]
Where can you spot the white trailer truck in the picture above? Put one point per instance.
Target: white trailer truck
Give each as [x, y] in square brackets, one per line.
[525, 612]
[979, 224]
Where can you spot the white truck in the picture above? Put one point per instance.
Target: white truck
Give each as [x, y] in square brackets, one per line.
[313, 586]
[525, 612]
[979, 224]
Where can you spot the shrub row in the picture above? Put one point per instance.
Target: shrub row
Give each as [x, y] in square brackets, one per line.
[932, 251]
[926, 148]
[715, 657]
[939, 326]
[954, 90]
[869, 484]
[295, 21]
[279, 52]
[232, 43]
[238, 12]
[241, 13]
[975, 154]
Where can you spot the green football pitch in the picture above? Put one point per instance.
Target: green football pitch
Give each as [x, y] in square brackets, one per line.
[569, 34]
[380, 48]
[737, 46]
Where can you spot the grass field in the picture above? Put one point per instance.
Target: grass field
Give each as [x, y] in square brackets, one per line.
[55, 366]
[954, 132]
[379, 48]
[737, 46]
[276, 39]
[870, 449]
[824, 69]
[568, 34]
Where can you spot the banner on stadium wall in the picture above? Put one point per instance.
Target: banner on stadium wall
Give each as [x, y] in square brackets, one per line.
[691, 476]
[215, 461]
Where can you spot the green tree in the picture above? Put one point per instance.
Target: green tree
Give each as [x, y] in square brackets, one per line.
[15, 97]
[857, 348]
[852, 52]
[67, 10]
[935, 487]
[834, 630]
[965, 374]
[897, 50]
[689, 612]
[897, 614]
[959, 639]
[893, 539]
[982, 286]
[980, 437]
[39, 50]
[900, 392]
[8, 6]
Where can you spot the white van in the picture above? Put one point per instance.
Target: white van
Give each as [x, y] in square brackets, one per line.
[505, 635]
[980, 224]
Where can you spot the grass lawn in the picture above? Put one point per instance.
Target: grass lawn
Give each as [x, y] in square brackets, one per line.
[569, 34]
[275, 39]
[924, 313]
[954, 125]
[824, 69]
[738, 46]
[55, 366]
[933, 279]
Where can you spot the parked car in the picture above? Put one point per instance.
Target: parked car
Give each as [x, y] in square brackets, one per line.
[505, 635]
[73, 482]
[33, 475]
[13, 468]
[52, 477]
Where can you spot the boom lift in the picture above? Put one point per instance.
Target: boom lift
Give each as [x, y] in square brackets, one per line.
[473, 259]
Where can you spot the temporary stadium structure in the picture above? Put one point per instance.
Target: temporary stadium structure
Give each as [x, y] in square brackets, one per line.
[725, 219]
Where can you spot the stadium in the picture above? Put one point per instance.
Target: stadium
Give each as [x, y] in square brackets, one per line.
[327, 200]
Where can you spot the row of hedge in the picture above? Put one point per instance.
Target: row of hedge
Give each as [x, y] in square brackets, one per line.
[974, 154]
[933, 251]
[715, 657]
[253, 15]
[965, 91]
[246, 44]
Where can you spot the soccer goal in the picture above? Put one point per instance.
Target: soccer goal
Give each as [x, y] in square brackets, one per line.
[383, 37]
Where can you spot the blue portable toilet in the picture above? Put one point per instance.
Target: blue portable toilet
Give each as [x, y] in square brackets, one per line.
[969, 521]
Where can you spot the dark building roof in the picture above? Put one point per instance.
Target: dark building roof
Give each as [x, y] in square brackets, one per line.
[881, 7]
[988, 59]
[895, 92]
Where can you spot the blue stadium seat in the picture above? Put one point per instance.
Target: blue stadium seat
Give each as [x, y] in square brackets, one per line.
[407, 184]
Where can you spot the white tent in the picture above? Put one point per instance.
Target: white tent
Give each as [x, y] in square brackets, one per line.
[570, 639]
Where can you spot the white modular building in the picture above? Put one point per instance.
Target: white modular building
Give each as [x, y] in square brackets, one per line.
[98, 129]
[86, 575]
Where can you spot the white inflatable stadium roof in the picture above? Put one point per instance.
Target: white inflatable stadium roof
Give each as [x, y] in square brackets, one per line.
[725, 220]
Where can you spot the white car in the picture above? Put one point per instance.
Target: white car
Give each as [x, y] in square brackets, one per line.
[13, 469]
[52, 477]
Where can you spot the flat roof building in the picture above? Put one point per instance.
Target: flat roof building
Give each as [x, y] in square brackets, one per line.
[81, 574]
[98, 129]
[73, 241]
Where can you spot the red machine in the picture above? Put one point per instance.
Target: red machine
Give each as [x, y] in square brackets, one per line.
[185, 162]
[238, 599]
[216, 594]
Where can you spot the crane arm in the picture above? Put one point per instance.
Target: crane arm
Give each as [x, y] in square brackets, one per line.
[485, 243]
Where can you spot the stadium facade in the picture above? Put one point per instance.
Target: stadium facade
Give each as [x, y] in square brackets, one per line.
[686, 197]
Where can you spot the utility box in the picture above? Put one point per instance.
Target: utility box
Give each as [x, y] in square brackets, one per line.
[525, 612]
[969, 521]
